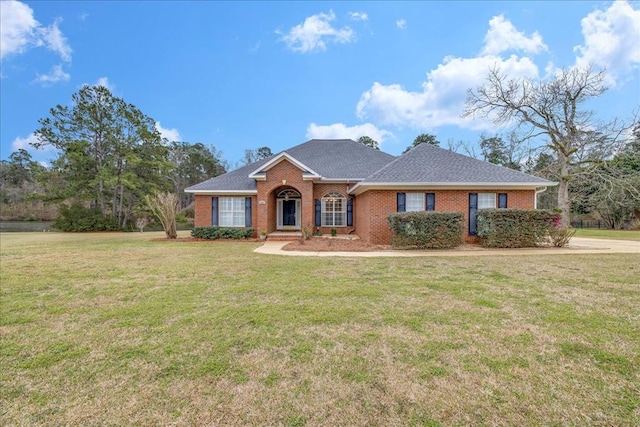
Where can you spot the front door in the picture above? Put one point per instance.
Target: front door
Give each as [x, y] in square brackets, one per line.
[289, 213]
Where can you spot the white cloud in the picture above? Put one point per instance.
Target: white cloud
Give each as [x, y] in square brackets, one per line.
[342, 131]
[503, 36]
[104, 81]
[611, 40]
[441, 100]
[56, 41]
[402, 24]
[56, 74]
[359, 16]
[315, 32]
[24, 143]
[170, 134]
[17, 27]
[19, 31]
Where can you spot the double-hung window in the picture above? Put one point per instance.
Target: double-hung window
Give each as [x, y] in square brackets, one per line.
[415, 202]
[231, 212]
[334, 210]
[486, 200]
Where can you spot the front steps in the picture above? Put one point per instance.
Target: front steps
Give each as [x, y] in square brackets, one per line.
[284, 236]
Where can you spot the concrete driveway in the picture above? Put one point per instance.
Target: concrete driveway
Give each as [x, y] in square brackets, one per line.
[578, 246]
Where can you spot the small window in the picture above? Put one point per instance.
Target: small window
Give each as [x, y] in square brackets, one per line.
[334, 210]
[486, 200]
[415, 202]
[231, 212]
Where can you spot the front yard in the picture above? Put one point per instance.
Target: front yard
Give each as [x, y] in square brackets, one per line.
[119, 329]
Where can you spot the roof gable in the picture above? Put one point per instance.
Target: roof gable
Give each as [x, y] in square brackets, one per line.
[259, 173]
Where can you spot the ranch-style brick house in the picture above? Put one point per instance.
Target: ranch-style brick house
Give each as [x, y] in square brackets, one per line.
[352, 188]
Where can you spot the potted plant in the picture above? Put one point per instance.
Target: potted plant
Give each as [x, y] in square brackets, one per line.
[263, 235]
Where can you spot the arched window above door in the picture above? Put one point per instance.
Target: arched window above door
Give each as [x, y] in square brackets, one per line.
[289, 193]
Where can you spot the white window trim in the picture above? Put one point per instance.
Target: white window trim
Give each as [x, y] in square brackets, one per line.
[342, 214]
[236, 213]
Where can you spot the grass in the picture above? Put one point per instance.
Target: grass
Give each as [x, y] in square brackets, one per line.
[118, 329]
[608, 234]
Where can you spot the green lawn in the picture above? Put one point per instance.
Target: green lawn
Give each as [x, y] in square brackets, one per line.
[117, 329]
[608, 234]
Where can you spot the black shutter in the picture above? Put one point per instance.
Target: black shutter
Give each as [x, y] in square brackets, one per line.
[473, 211]
[430, 201]
[318, 213]
[502, 200]
[350, 213]
[214, 211]
[402, 205]
[247, 211]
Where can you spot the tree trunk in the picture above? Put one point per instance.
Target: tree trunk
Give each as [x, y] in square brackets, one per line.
[563, 191]
[122, 223]
[128, 211]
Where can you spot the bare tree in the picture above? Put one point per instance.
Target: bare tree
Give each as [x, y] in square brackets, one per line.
[165, 206]
[552, 109]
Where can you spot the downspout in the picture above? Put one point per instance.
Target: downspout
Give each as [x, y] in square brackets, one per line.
[538, 191]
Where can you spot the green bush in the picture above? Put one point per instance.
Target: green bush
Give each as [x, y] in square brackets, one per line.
[214, 233]
[515, 228]
[78, 218]
[433, 230]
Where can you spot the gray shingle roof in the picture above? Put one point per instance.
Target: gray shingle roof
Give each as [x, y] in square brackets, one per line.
[340, 158]
[237, 180]
[331, 158]
[350, 160]
[430, 164]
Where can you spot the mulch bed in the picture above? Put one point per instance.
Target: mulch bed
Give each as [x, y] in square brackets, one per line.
[321, 244]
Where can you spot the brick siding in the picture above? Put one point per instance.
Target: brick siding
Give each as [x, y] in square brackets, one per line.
[373, 207]
[370, 209]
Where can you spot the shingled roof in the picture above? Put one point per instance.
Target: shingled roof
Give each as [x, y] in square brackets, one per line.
[334, 159]
[429, 165]
[340, 158]
[348, 160]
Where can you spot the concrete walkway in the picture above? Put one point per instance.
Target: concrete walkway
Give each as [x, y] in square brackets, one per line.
[578, 246]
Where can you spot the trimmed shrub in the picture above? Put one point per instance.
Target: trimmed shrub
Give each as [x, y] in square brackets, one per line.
[78, 218]
[432, 230]
[514, 228]
[214, 233]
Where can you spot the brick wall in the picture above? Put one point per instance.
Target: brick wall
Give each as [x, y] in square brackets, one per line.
[202, 211]
[374, 206]
[370, 209]
[267, 190]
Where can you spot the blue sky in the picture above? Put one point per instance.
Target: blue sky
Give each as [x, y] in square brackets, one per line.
[244, 75]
